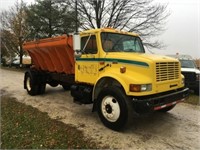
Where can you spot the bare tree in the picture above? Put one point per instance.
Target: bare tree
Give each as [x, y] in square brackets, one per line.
[144, 17]
[13, 29]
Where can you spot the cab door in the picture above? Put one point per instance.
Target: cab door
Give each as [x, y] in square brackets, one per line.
[87, 65]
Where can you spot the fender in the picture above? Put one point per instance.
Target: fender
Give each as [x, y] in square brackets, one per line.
[122, 79]
[110, 76]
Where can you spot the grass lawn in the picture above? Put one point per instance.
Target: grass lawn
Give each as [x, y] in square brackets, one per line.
[25, 127]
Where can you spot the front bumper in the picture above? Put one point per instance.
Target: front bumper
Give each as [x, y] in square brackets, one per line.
[160, 101]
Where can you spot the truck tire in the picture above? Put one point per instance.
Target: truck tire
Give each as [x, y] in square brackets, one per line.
[41, 88]
[29, 84]
[166, 109]
[113, 108]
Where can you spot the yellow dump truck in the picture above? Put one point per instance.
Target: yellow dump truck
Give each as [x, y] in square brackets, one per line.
[109, 69]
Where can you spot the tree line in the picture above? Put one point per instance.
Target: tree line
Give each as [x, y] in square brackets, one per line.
[47, 18]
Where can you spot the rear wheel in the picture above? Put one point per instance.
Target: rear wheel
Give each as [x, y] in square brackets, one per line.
[31, 87]
[113, 108]
[41, 88]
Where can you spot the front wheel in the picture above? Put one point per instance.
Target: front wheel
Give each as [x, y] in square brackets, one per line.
[112, 107]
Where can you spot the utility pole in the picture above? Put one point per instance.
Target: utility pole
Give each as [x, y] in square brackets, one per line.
[76, 13]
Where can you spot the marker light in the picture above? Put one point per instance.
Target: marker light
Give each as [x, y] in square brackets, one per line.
[122, 69]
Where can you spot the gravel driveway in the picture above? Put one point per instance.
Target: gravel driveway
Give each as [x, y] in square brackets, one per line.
[177, 129]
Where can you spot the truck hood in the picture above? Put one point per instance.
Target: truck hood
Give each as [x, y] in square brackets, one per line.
[195, 70]
[140, 57]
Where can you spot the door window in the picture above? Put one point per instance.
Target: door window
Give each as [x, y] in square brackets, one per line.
[89, 44]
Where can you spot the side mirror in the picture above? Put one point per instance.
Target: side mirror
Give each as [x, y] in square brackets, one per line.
[77, 45]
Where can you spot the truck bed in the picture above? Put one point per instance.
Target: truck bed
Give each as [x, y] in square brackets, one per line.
[52, 54]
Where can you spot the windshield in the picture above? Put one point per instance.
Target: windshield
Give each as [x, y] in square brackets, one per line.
[115, 42]
[187, 64]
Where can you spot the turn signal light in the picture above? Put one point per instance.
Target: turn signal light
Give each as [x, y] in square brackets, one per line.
[135, 88]
[140, 87]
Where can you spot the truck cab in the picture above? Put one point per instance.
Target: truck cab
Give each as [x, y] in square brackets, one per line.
[120, 56]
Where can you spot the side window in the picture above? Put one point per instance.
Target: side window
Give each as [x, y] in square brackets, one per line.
[90, 44]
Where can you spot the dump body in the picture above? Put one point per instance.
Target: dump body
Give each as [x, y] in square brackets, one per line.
[52, 54]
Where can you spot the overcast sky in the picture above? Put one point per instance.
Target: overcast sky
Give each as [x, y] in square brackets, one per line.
[183, 28]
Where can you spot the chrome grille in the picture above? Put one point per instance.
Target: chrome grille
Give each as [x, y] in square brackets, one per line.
[167, 71]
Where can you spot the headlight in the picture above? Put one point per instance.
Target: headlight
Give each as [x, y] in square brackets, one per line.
[140, 87]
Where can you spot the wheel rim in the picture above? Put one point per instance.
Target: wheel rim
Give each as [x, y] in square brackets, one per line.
[110, 108]
[28, 83]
